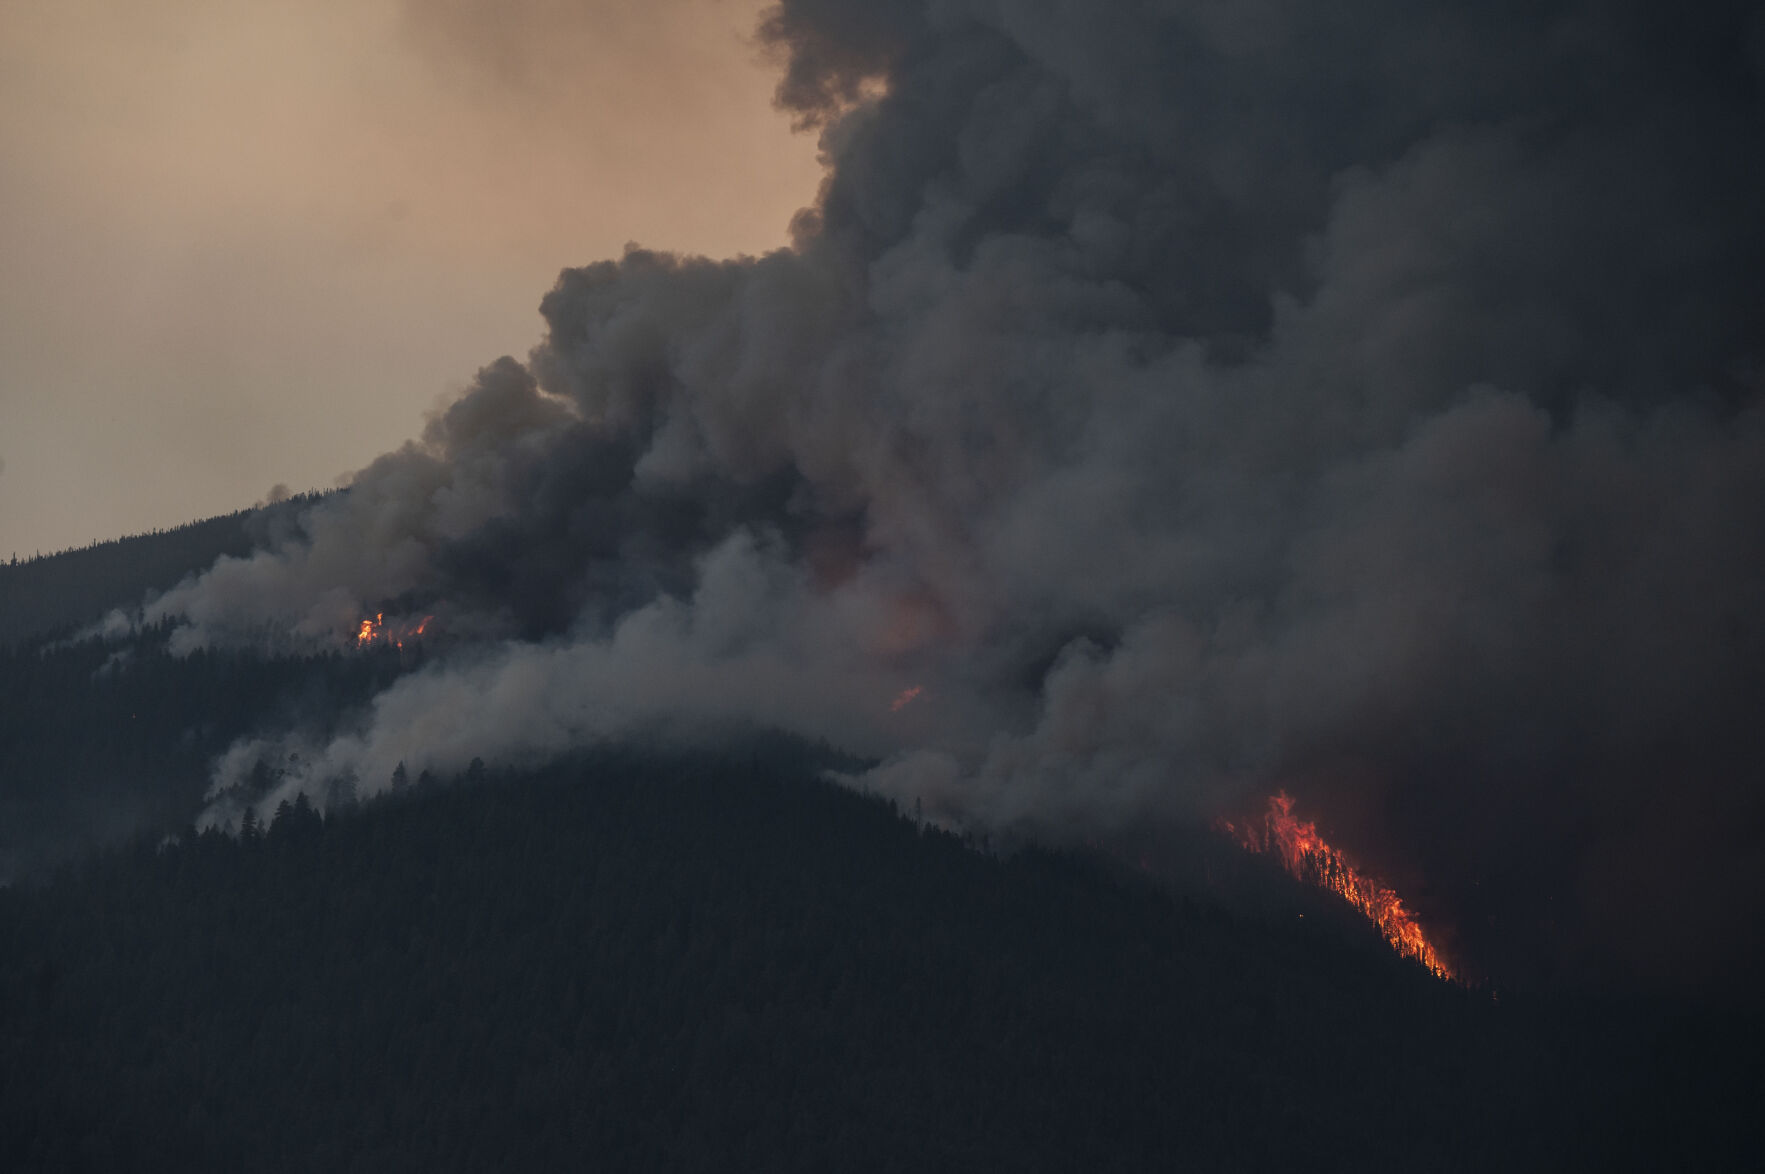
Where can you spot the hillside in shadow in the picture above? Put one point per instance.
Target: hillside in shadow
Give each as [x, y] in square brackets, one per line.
[694, 962]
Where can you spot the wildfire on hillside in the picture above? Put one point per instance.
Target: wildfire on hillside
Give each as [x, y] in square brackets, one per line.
[377, 630]
[1308, 857]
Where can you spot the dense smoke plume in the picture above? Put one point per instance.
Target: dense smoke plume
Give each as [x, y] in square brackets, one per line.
[1195, 399]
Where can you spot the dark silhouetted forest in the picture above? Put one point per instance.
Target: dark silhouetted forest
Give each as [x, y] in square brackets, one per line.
[100, 739]
[636, 962]
[52, 594]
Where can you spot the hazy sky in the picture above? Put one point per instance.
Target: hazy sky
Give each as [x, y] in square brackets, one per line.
[249, 243]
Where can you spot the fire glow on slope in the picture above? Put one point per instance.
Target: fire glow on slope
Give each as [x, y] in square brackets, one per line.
[1307, 857]
[370, 631]
[374, 630]
[905, 698]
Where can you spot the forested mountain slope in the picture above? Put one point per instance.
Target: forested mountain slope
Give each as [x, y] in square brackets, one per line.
[633, 962]
[43, 595]
[100, 739]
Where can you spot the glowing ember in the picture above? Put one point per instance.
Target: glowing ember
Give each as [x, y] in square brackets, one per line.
[905, 698]
[1307, 857]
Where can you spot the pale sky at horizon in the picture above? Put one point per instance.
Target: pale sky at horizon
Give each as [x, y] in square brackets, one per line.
[249, 244]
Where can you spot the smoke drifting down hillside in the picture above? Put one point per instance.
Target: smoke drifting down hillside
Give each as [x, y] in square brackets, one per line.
[1193, 400]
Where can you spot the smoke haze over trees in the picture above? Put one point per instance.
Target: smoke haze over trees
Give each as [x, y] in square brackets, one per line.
[1193, 400]
[63, 592]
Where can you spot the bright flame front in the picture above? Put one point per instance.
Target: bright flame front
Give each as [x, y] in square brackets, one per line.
[1307, 857]
[370, 630]
[374, 630]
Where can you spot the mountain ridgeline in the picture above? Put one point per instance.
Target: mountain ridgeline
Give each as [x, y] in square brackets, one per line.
[49, 595]
[101, 738]
[644, 960]
[662, 957]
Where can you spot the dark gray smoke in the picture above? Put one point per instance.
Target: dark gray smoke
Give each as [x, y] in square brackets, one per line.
[1194, 399]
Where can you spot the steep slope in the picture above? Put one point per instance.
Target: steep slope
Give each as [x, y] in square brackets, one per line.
[45, 595]
[99, 740]
[634, 962]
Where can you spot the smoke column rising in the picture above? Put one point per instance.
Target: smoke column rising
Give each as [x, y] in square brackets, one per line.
[1195, 399]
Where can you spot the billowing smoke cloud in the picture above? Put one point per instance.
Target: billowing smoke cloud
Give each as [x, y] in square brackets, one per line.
[1194, 399]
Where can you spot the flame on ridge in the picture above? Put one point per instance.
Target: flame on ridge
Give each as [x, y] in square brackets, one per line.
[375, 629]
[1308, 857]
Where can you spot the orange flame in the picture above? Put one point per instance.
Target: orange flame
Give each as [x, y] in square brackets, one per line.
[905, 698]
[370, 630]
[376, 629]
[1307, 857]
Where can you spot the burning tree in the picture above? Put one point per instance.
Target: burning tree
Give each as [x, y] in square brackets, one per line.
[1308, 857]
